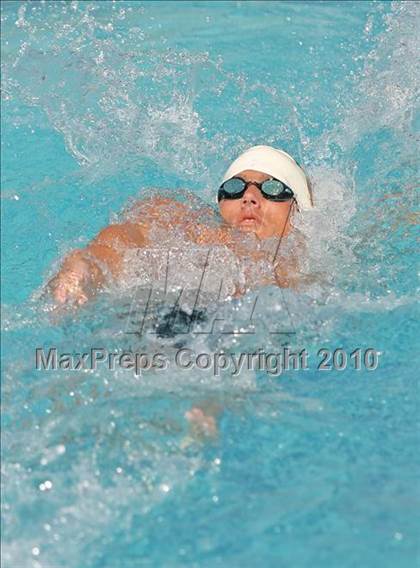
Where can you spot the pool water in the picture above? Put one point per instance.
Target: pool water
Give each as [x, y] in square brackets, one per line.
[102, 101]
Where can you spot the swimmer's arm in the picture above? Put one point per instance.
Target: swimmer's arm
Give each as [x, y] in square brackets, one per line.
[289, 276]
[287, 271]
[84, 271]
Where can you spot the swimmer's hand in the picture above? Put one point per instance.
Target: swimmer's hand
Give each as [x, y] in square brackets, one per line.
[77, 281]
[202, 421]
[85, 270]
[201, 425]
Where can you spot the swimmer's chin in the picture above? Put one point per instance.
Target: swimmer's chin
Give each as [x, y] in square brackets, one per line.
[248, 225]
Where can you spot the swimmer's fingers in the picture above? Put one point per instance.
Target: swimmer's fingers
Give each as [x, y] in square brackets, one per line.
[78, 280]
[201, 425]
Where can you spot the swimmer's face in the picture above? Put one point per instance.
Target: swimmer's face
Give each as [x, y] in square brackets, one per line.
[253, 213]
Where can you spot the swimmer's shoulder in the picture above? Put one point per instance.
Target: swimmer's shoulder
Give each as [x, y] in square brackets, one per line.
[197, 221]
[166, 211]
[121, 235]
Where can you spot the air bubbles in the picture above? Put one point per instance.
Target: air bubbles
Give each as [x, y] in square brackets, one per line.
[50, 454]
[121, 14]
[21, 22]
[368, 26]
[100, 58]
[46, 485]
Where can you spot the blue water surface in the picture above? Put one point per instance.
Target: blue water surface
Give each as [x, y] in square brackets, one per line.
[103, 100]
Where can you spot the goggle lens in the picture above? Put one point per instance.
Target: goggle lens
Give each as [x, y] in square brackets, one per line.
[233, 185]
[276, 188]
[273, 189]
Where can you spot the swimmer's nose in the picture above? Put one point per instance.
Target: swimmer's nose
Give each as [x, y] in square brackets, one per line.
[252, 196]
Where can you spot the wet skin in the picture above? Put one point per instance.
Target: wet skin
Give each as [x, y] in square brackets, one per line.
[84, 271]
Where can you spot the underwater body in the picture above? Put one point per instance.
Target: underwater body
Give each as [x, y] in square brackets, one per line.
[104, 103]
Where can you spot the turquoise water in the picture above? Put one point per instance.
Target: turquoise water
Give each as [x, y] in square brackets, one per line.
[101, 101]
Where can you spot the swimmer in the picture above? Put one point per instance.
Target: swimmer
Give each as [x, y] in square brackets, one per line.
[258, 194]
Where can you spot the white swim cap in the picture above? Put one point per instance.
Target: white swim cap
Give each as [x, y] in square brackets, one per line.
[275, 163]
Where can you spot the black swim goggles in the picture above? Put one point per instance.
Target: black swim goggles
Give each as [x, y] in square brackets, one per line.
[272, 189]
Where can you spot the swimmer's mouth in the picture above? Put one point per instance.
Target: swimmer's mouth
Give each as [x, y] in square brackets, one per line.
[248, 218]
